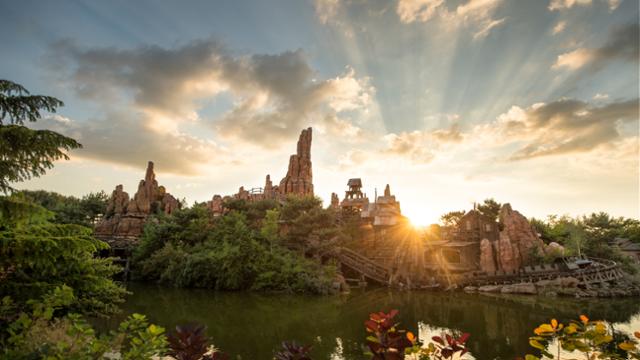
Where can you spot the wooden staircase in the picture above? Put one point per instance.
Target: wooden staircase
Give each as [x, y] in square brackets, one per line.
[362, 265]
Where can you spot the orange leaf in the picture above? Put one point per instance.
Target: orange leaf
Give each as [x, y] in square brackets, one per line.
[411, 337]
[584, 319]
[554, 323]
[637, 334]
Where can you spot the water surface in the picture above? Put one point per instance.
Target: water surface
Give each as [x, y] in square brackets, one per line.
[253, 325]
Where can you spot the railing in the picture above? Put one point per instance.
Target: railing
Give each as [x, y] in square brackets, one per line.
[363, 265]
[601, 270]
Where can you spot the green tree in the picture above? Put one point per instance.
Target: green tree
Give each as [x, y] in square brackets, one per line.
[269, 230]
[37, 256]
[69, 209]
[452, 218]
[24, 152]
[490, 208]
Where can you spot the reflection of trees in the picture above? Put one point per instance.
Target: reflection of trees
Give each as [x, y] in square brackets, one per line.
[252, 325]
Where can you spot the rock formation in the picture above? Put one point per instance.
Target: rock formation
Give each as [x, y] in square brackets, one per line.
[487, 261]
[298, 181]
[268, 188]
[125, 218]
[216, 205]
[521, 234]
[335, 201]
[507, 253]
[118, 202]
[299, 178]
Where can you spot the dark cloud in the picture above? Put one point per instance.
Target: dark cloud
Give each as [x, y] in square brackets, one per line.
[274, 95]
[568, 126]
[121, 138]
[623, 43]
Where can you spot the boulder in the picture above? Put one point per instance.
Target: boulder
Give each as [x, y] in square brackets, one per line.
[490, 288]
[470, 289]
[555, 249]
[521, 288]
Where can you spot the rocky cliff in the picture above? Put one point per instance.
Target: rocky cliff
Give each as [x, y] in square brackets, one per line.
[299, 178]
[522, 236]
[125, 218]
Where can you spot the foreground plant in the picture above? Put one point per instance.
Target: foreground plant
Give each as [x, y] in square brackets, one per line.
[40, 334]
[590, 338]
[293, 351]
[388, 342]
[190, 342]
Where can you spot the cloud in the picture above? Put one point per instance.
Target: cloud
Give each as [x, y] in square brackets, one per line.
[420, 146]
[574, 59]
[560, 26]
[557, 5]
[326, 9]
[561, 127]
[622, 44]
[122, 138]
[566, 4]
[417, 10]
[484, 31]
[274, 95]
[476, 14]
[269, 115]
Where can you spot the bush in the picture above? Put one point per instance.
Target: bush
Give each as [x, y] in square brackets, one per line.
[232, 256]
[40, 258]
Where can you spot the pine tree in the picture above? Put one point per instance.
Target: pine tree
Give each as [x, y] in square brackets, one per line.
[24, 152]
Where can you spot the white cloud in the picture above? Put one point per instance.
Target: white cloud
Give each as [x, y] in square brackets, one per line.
[574, 59]
[566, 4]
[487, 28]
[417, 10]
[476, 14]
[560, 26]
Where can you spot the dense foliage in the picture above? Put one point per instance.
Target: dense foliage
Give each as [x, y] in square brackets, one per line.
[41, 261]
[590, 235]
[37, 258]
[42, 333]
[244, 249]
[69, 209]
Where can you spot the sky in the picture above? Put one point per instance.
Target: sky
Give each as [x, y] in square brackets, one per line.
[450, 102]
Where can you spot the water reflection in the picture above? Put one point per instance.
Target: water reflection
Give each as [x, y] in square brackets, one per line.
[253, 325]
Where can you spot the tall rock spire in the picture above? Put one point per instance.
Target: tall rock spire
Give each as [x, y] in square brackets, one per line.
[299, 178]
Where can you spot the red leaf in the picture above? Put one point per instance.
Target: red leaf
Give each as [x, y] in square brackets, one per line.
[371, 325]
[438, 339]
[449, 339]
[463, 338]
[392, 313]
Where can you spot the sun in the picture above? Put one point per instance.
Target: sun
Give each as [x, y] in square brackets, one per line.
[420, 217]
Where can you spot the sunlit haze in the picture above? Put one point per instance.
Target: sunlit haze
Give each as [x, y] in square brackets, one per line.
[529, 102]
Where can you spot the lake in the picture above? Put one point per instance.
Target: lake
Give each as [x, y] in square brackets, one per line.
[252, 325]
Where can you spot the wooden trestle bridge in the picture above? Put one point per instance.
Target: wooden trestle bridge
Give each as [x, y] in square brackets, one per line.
[593, 271]
[361, 264]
